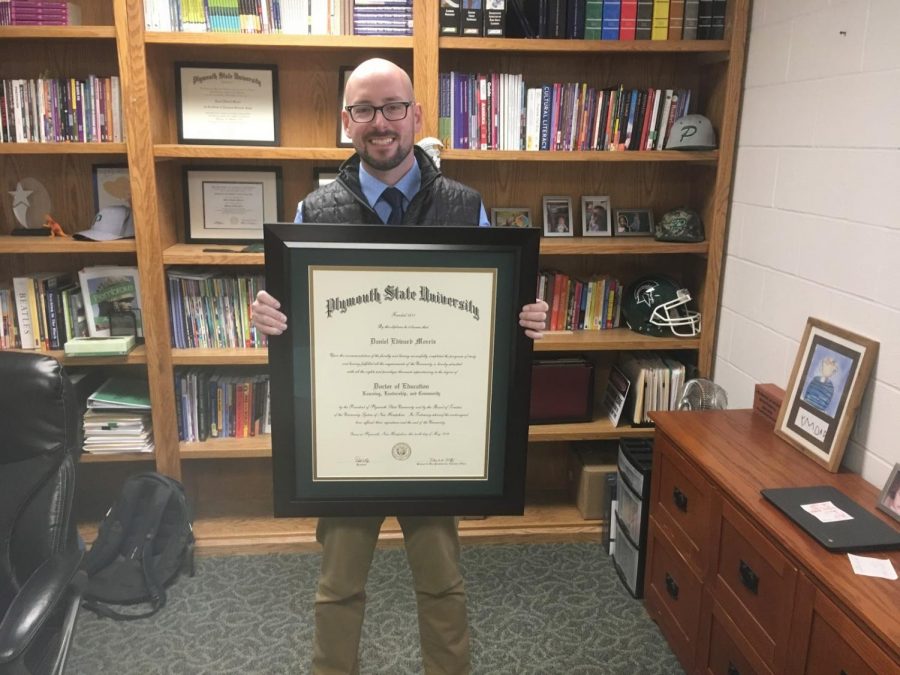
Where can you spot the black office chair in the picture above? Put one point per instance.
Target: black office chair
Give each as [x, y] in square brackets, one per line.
[40, 585]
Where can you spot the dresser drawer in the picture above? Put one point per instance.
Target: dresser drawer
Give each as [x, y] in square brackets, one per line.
[838, 646]
[682, 503]
[725, 650]
[755, 583]
[672, 593]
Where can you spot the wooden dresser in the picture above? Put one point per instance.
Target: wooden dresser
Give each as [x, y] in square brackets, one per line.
[734, 585]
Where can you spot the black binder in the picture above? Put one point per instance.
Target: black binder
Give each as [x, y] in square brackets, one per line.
[864, 532]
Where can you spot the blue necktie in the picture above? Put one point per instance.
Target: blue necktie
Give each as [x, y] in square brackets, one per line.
[394, 198]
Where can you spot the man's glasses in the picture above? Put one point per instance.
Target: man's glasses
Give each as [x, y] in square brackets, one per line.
[392, 112]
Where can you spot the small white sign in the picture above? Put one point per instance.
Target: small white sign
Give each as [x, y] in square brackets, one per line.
[873, 567]
[826, 512]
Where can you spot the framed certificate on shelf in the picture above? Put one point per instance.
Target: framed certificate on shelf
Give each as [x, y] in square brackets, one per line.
[402, 384]
[230, 205]
[227, 104]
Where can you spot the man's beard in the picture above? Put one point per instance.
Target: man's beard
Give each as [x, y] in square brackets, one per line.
[388, 163]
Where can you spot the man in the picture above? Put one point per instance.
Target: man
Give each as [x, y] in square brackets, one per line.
[381, 118]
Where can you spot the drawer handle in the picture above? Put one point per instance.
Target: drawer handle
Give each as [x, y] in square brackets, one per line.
[733, 669]
[749, 578]
[671, 587]
[680, 499]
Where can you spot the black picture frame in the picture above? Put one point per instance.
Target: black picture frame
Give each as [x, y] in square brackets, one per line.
[295, 255]
[342, 140]
[197, 230]
[260, 117]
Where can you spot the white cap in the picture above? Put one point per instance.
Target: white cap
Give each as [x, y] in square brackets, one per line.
[111, 222]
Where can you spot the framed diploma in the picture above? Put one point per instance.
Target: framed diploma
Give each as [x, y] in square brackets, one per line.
[230, 205]
[402, 384]
[227, 104]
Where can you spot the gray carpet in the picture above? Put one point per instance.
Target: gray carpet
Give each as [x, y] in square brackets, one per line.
[542, 609]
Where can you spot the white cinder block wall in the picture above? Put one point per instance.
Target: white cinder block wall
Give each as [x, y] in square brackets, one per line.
[815, 217]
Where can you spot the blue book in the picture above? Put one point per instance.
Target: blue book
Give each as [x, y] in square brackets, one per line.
[611, 12]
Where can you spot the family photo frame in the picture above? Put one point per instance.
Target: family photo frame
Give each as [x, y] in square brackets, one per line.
[511, 216]
[343, 140]
[824, 392]
[633, 223]
[596, 217]
[557, 216]
[889, 499]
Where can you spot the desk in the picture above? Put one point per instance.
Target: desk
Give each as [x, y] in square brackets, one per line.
[734, 585]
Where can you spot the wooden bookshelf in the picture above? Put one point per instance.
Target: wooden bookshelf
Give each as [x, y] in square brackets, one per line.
[231, 486]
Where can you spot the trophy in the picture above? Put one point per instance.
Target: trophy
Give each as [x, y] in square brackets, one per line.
[31, 207]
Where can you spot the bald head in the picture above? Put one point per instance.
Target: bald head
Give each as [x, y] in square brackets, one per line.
[379, 73]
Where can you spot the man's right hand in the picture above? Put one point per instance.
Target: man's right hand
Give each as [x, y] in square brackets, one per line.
[265, 316]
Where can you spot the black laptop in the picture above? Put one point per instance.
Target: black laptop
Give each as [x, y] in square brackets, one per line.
[863, 532]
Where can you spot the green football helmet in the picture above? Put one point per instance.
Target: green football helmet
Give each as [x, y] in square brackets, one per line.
[656, 305]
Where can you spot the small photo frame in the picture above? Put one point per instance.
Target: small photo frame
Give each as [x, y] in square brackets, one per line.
[889, 500]
[343, 140]
[511, 216]
[111, 186]
[226, 104]
[230, 205]
[596, 217]
[558, 217]
[633, 223]
[824, 391]
[324, 176]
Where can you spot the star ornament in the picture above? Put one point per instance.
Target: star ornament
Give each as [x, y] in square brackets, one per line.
[20, 195]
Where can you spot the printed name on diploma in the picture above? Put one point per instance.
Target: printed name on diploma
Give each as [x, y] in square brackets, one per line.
[391, 293]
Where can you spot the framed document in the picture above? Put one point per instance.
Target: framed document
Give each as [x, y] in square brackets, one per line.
[230, 205]
[343, 140]
[227, 104]
[111, 186]
[402, 384]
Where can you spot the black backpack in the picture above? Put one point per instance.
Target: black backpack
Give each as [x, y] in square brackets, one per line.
[144, 540]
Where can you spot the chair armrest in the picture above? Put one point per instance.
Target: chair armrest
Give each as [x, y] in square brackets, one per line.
[35, 601]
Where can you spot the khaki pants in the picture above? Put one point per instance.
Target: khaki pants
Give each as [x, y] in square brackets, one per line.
[432, 548]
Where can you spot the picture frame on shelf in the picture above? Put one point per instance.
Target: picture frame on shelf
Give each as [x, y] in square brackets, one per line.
[826, 385]
[511, 216]
[633, 223]
[889, 499]
[230, 205]
[111, 186]
[324, 176]
[227, 104]
[596, 216]
[557, 214]
[343, 140]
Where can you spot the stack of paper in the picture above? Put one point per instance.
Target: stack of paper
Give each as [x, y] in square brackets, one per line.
[118, 417]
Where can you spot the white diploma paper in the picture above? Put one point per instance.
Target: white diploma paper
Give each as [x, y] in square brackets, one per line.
[401, 365]
[232, 205]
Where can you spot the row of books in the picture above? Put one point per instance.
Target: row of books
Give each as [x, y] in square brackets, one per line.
[45, 310]
[118, 417]
[221, 404]
[586, 19]
[56, 110]
[211, 309]
[294, 17]
[576, 304]
[655, 382]
[496, 111]
[39, 13]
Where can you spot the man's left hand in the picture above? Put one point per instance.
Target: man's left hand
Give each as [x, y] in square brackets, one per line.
[533, 318]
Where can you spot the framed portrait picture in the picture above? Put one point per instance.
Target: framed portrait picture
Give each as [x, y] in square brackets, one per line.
[227, 104]
[402, 385]
[111, 186]
[824, 391]
[633, 223]
[511, 216]
[889, 500]
[558, 217]
[596, 218]
[343, 140]
[230, 205]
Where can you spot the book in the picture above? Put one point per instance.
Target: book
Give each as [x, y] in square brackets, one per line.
[472, 18]
[616, 393]
[449, 20]
[495, 18]
[114, 345]
[121, 393]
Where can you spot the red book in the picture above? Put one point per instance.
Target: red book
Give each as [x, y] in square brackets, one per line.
[627, 19]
